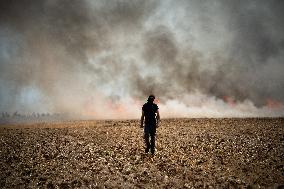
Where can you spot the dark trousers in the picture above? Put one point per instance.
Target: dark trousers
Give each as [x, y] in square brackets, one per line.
[150, 131]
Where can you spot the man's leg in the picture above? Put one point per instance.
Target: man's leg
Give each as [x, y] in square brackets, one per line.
[152, 142]
[146, 138]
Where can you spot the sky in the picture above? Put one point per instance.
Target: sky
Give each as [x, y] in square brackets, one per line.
[101, 59]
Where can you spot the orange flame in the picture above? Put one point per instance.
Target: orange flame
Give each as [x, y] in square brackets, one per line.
[137, 102]
[157, 101]
[229, 100]
[115, 106]
[271, 103]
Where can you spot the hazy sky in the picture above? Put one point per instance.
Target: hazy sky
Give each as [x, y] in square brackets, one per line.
[101, 59]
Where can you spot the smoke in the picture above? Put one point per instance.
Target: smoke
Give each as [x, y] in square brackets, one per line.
[101, 59]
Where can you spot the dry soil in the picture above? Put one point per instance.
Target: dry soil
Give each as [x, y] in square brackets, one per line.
[191, 153]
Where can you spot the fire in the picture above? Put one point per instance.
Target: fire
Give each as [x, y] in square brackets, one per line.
[229, 100]
[157, 101]
[271, 103]
[137, 102]
[116, 107]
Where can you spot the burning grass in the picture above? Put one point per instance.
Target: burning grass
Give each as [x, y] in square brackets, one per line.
[198, 153]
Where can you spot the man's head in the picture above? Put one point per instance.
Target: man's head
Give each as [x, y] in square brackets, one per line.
[151, 98]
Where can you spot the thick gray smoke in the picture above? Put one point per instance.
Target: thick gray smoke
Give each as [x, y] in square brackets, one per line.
[101, 59]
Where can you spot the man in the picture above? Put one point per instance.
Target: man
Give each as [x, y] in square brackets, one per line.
[150, 111]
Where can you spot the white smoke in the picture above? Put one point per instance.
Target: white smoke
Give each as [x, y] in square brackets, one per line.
[101, 59]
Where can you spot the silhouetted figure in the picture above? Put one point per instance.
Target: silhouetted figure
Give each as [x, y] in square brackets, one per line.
[150, 111]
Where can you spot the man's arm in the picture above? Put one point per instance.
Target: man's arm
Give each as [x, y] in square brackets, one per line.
[158, 118]
[142, 119]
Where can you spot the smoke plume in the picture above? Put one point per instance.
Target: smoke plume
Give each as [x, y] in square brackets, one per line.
[101, 59]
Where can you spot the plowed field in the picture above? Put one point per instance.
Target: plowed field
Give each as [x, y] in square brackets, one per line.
[191, 153]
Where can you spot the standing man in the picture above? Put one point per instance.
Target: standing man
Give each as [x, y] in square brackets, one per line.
[150, 111]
